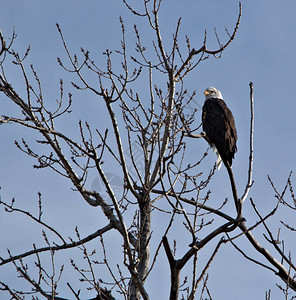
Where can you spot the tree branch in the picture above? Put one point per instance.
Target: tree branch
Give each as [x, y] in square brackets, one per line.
[250, 172]
[61, 247]
[203, 49]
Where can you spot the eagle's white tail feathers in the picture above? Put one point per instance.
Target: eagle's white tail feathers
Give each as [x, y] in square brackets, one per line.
[218, 161]
[219, 158]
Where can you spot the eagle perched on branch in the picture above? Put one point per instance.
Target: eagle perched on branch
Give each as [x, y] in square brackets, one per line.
[219, 126]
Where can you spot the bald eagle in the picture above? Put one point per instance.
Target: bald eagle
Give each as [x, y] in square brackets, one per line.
[219, 126]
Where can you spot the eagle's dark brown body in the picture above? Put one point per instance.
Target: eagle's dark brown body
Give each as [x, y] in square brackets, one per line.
[219, 126]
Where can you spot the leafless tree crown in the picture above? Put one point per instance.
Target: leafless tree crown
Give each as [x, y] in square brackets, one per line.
[148, 140]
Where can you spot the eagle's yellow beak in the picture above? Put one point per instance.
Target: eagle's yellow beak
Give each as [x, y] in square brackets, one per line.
[206, 92]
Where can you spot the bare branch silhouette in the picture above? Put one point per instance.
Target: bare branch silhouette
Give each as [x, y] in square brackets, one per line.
[142, 137]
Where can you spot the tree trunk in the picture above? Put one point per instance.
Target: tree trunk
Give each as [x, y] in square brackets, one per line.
[175, 283]
[144, 251]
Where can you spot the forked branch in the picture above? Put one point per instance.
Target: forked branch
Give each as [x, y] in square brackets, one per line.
[203, 49]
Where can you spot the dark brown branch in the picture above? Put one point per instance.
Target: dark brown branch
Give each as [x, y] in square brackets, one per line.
[191, 202]
[237, 201]
[247, 257]
[191, 296]
[272, 240]
[10, 208]
[11, 292]
[281, 270]
[204, 49]
[3, 44]
[132, 10]
[61, 247]
[177, 265]
[175, 271]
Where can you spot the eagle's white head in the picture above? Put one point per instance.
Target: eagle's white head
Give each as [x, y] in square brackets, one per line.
[211, 92]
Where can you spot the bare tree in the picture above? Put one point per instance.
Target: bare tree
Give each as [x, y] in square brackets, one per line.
[156, 124]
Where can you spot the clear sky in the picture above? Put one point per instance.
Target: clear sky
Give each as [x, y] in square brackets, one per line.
[263, 52]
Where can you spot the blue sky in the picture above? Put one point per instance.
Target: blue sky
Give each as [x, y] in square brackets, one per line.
[263, 52]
